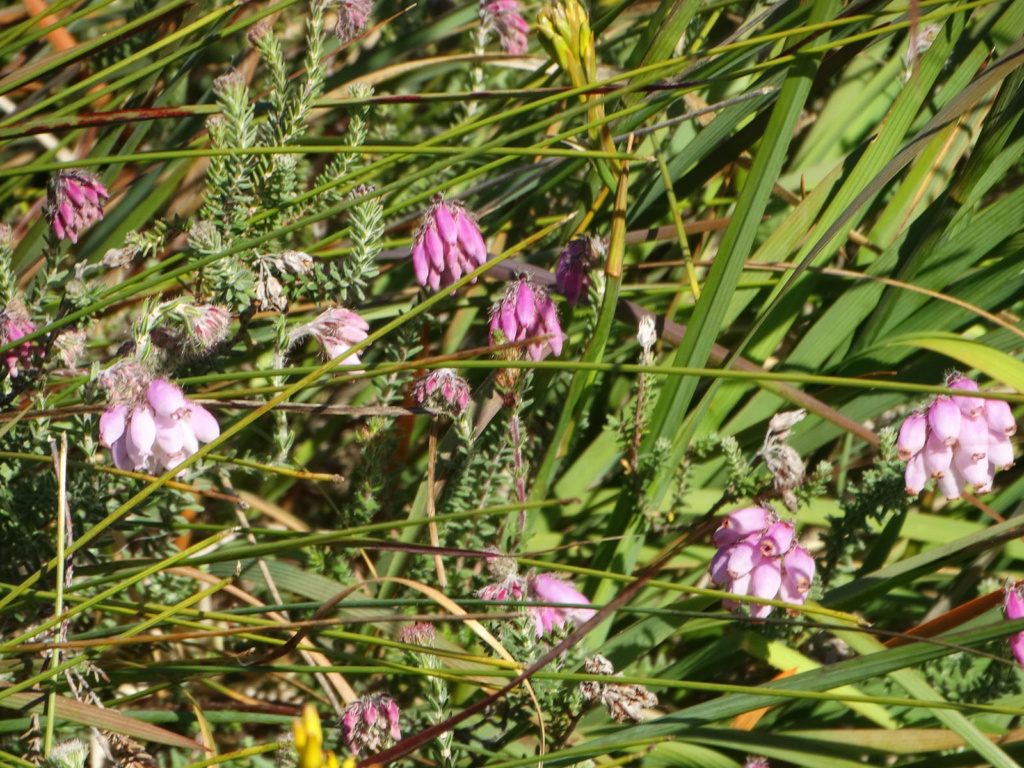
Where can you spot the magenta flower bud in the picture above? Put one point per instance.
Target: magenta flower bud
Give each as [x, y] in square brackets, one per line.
[912, 436]
[1017, 647]
[937, 456]
[547, 588]
[14, 325]
[799, 567]
[916, 475]
[777, 539]
[971, 407]
[742, 558]
[526, 311]
[1013, 603]
[1000, 417]
[74, 202]
[337, 330]
[724, 536]
[1000, 450]
[442, 389]
[447, 245]
[504, 18]
[142, 430]
[112, 424]
[572, 275]
[944, 418]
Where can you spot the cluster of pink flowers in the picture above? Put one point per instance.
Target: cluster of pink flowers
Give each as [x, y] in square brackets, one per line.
[508, 586]
[337, 330]
[370, 723]
[758, 557]
[525, 312]
[504, 18]
[13, 326]
[443, 389]
[959, 440]
[353, 15]
[1013, 604]
[572, 275]
[157, 432]
[74, 202]
[447, 245]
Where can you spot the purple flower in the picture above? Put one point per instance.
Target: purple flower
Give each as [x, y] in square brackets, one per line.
[547, 588]
[447, 245]
[337, 330]
[74, 201]
[443, 389]
[14, 325]
[158, 431]
[504, 18]
[1013, 604]
[758, 557]
[959, 440]
[572, 275]
[370, 723]
[353, 16]
[524, 312]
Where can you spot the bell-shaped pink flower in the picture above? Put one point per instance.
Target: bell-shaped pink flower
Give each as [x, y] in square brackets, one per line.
[526, 311]
[337, 329]
[944, 419]
[777, 539]
[1013, 604]
[937, 456]
[546, 588]
[1000, 417]
[765, 580]
[14, 325]
[916, 476]
[441, 388]
[969, 406]
[447, 245]
[74, 201]
[744, 556]
[912, 435]
[158, 431]
[1000, 450]
[371, 723]
[740, 523]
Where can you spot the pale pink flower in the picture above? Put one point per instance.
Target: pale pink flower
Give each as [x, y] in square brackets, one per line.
[370, 723]
[337, 330]
[524, 312]
[447, 245]
[543, 587]
[207, 325]
[758, 557]
[353, 16]
[958, 440]
[74, 201]
[504, 17]
[441, 388]
[157, 432]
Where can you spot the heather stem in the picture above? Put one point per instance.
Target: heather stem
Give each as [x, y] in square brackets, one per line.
[518, 465]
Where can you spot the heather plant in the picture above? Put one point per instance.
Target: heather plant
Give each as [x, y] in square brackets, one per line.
[505, 384]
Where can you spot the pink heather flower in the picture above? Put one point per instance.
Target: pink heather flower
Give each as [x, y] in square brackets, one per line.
[543, 587]
[447, 245]
[756, 761]
[74, 201]
[443, 389]
[1013, 604]
[14, 325]
[958, 440]
[504, 18]
[353, 16]
[526, 311]
[758, 557]
[572, 275]
[207, 325]
[337, 330]
[158, 431]
[421, 633]
[370, 723]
